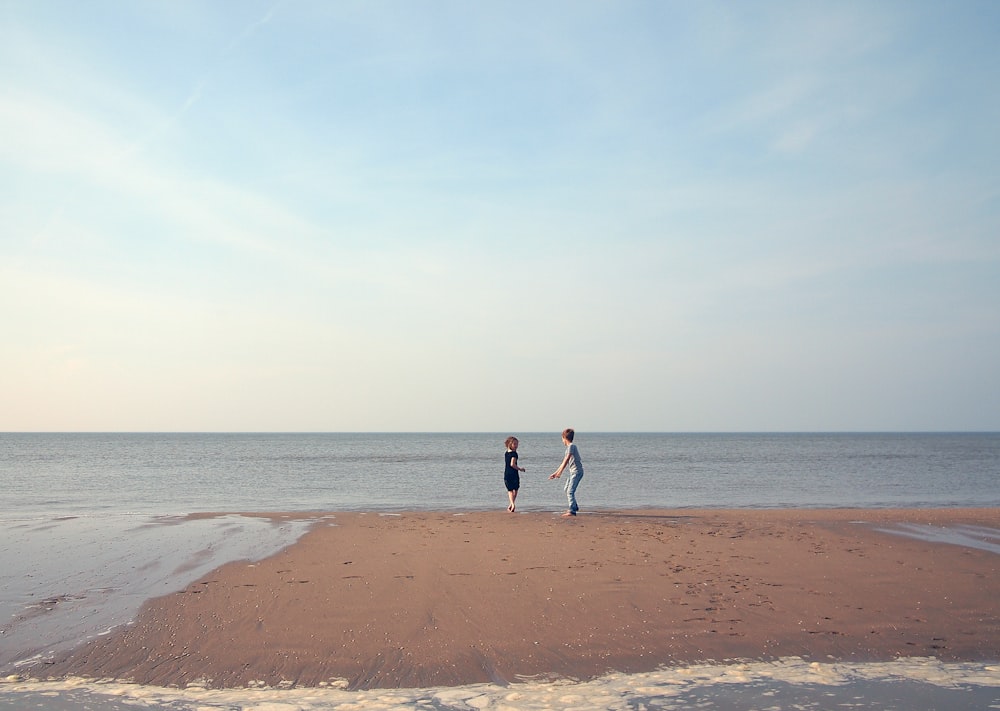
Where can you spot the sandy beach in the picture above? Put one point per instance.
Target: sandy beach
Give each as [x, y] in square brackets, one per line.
[436, 599]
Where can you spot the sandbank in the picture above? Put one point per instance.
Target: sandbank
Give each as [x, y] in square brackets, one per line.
[420, 599]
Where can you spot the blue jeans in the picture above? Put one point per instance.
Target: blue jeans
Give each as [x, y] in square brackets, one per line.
[571, 484]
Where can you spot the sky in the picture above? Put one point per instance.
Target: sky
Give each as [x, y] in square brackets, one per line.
[508, 216]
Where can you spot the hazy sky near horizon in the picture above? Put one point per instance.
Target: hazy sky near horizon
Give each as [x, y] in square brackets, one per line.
[499, 216]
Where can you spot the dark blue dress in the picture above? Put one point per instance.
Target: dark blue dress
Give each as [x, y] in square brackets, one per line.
[511, 477]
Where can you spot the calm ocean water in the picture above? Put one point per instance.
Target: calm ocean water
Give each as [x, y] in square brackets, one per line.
[91, 525]
[70, 474]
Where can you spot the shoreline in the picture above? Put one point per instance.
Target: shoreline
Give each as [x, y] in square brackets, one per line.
[416, 599]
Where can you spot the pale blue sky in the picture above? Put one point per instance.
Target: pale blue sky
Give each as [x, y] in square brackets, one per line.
[499, 216]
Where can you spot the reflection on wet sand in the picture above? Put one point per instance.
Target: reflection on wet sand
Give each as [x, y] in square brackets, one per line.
[979, 537]
[74, 578]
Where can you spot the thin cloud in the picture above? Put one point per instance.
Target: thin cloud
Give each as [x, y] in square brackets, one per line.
[251, 29]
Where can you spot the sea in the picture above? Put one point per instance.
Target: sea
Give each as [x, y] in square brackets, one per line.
[94, 524]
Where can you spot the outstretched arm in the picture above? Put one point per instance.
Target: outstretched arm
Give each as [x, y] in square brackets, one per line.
[559, 471]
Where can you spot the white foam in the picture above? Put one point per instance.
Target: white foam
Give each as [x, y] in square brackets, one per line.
[614, 691]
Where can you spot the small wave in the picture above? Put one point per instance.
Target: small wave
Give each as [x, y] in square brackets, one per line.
[918, 684]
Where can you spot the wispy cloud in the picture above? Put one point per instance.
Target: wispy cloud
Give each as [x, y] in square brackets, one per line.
[251, 29]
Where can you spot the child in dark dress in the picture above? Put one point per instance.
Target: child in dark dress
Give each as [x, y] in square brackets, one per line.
[511, 472]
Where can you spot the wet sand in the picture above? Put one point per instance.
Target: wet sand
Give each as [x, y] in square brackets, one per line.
[440, 599]
[68, 579]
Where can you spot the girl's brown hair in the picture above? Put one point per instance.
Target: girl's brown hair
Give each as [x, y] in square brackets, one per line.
[507, 442]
